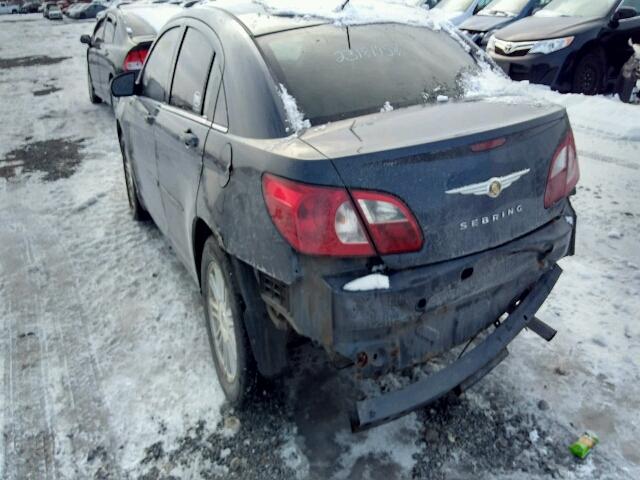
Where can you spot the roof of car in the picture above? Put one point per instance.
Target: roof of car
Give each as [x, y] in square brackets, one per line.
[156, 15]
[257, 19]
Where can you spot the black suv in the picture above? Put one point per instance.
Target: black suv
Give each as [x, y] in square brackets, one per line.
[382, 216]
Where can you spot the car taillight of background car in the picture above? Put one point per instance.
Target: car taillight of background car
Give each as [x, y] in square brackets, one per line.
[135, 60]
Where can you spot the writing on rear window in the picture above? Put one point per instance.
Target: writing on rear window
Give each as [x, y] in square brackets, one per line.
[372, 51]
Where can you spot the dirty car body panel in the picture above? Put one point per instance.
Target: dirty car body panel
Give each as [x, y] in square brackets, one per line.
[481, 250]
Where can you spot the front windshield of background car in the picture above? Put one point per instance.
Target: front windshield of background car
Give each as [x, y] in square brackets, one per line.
[335, 73]
[454, 5]
[577, 8]
[504, 8]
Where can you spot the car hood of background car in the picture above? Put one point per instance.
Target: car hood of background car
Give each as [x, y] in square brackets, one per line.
[484, 23]
[543, 28]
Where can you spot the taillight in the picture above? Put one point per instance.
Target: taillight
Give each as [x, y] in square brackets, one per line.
[320, 220]
[135, 60]
[564, 172]
[391, 225]
[315, 220]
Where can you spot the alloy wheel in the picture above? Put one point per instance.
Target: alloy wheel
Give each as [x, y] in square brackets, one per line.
[221, 322]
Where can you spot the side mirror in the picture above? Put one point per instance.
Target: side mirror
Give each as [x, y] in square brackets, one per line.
[622, 14]
[124, 85]
[86, 39]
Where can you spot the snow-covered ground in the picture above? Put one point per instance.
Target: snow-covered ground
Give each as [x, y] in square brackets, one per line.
[105, 368]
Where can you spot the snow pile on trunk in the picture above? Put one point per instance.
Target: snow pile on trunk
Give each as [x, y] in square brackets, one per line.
[387, 107]
[491, 84]
[295, 117]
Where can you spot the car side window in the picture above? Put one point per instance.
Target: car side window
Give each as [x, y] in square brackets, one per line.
[221, 116]
[192, 71]
[97, 33]
[109, 30]
[481, 4]
[156, 73]
[541, 4]
[631, 3]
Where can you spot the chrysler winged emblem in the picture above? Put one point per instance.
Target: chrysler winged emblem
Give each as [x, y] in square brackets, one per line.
[492, 187]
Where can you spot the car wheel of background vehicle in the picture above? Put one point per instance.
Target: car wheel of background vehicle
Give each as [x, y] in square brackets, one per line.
[229, 344]
[137, 210]
[588, 74]
[92, 93]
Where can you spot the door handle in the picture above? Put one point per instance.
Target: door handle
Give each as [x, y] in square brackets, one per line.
[150, 119]
[190, 139]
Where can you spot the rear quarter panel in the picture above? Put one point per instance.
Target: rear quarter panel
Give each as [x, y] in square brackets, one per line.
[237, 213]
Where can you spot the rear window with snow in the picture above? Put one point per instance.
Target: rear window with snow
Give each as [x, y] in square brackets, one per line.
[342, 72]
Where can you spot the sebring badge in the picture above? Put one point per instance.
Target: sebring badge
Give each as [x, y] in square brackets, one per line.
[492, 187]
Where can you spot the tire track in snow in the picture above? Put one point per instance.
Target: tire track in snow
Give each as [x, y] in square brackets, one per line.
[34, 322]
[28, 434]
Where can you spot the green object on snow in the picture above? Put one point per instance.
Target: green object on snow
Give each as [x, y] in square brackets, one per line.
[584, 445]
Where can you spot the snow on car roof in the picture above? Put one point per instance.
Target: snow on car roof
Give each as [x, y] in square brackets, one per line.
[155, 15]
[357, 12]
[261, 17]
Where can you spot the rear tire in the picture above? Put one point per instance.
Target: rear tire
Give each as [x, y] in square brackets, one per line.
[232, 356]
[93, 98]
[589, 74]
[138, 212]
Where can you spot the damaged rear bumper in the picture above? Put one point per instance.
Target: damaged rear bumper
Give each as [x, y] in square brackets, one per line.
[429, 310]
[463, 372]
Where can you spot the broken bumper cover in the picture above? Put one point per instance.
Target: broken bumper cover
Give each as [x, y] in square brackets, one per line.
[463, 372]
[429, 310]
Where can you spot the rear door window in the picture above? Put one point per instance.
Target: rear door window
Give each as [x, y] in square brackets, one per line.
[480, 5]
[192, 72]
[99, 31]
[109, 30]
[155, 76]
[221, 118]
[632, 3]
[541, 4]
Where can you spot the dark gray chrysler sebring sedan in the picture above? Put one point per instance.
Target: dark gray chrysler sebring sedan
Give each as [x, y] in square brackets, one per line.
[331, 182]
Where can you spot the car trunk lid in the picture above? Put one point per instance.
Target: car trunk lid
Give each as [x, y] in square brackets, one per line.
[442, 162]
